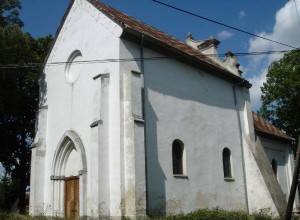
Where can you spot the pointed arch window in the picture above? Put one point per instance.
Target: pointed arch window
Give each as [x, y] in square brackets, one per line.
[227, 163]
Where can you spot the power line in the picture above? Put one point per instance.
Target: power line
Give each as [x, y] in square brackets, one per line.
[222, 24]
[38, 65]
[18, 66]
[297, 12]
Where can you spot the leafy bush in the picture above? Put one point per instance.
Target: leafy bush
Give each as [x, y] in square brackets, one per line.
[201, 214]
[15, 216]
[218, 214]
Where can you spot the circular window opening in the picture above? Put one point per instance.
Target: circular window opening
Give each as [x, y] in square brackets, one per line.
[73, 66]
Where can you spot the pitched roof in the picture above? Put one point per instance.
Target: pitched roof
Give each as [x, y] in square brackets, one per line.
[262, 125]
[170, 42]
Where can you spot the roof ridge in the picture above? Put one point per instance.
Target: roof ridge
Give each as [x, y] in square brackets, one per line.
[132, 25]
[133, 18]
[105, 8]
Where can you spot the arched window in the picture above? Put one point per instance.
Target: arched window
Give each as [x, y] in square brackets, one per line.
[177, 156]
[274, 166]
[227, 163]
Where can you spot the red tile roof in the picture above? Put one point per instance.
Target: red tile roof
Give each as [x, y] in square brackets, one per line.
[138, 26]
[262, 125]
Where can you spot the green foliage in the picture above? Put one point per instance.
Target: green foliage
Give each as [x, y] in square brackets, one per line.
[281, 94]
[18, 97]
[202, 214]
[15, 216]
[217, 214]
[8, 193]
[220, 214]
[9, 13]
[262, 214]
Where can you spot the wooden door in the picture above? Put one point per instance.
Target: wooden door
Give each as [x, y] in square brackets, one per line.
[72, 197]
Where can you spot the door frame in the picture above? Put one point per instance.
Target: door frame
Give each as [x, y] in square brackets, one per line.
[69, 141]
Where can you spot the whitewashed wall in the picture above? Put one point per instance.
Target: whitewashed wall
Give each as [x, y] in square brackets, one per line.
[193, 106]
[74, 106]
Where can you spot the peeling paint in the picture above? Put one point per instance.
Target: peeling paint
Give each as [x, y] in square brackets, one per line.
[141, 205]
[202, 200]
[103, 208]
[173, 206]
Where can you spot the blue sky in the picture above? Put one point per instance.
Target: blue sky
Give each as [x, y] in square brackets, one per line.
[272, 19]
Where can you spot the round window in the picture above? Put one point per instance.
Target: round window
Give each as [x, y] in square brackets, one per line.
[73, 66]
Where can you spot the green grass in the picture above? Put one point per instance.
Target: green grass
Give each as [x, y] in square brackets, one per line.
[15, 216]
[220, 214]
[202, 214]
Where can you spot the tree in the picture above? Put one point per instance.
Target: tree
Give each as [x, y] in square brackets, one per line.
[8, 193]
[9, 13]
[18, 96]
[281, 94]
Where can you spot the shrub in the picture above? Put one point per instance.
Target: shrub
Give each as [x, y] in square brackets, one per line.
[201, 214]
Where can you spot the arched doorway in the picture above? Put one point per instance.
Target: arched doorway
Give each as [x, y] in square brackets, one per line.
[69, 177]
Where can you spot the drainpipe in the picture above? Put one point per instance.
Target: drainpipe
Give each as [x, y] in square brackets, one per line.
[144, 95]
[241, 140]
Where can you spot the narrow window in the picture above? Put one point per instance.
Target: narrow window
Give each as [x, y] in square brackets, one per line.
[177, 156]
[274, 166]
[227, 163]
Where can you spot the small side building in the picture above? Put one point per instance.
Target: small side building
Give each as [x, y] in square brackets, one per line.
[278, 149]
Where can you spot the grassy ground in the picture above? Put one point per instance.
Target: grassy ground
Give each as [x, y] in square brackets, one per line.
[15, 216]
[202, 214]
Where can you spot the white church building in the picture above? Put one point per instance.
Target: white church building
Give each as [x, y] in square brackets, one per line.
[133, 122]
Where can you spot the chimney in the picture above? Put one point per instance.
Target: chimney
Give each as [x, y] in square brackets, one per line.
[207, 47]
[231, 62]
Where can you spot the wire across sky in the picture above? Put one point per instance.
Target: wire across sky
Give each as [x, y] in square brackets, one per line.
[220, 23]
[136, 59]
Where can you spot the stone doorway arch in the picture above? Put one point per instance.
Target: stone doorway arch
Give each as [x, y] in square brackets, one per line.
[69, 160]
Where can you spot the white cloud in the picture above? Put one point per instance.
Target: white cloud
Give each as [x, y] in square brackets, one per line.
[224, 35]
[242, 14]
[255, 91]
[286, 30]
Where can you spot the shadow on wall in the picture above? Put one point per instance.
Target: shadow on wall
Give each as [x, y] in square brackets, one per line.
[43, 89]
[155, 175]
[168, 83]
[42, 97]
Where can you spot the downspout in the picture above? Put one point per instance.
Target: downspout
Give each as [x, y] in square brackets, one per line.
[241, 140]
[144, 95]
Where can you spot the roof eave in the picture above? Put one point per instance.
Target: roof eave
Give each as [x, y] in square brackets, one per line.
[270, 135]
[221, 73]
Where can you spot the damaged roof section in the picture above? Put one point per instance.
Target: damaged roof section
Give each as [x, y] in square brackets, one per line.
[263, 126]
[131, 25]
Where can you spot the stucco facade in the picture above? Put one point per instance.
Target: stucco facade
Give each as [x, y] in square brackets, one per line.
[278, 155]
[110, 119]
[281, 154]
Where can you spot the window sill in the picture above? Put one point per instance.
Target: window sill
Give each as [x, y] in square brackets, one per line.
[180, 176]
[229, 179]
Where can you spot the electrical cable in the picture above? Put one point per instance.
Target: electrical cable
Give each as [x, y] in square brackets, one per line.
[297, 12]
[222, 24]
[36, 65]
